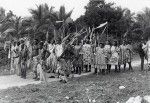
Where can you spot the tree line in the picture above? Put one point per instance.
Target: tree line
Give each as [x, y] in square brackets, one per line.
[45, 23]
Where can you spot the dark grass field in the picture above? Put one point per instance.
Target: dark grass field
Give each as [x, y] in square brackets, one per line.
[101, 88]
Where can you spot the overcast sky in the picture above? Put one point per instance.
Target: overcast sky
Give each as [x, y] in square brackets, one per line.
[20, 7]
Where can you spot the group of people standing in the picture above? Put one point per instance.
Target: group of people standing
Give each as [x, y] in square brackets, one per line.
[18, 54]
[106, 55]
[62, 59]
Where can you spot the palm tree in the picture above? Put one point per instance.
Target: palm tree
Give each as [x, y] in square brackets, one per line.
[143, 19]
[8, 25]
[65, 19]
[42, 19]
[13, 26]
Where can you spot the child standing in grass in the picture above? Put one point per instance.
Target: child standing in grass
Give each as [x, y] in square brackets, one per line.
[114, 55]
[87, 51]
[129, 55]
[100, 58]
[107, 49]
[122, 55]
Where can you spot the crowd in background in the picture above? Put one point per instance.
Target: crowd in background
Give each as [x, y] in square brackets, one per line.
[63, 60]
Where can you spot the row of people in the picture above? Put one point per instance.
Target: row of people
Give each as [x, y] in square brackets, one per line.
[106, 55]
[52, 57]
[18, 55]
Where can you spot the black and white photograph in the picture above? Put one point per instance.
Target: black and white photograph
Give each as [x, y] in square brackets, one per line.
[74, 51]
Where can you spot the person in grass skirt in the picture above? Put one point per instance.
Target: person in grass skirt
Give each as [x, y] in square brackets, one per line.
[64, 65]
[114, 55]
[100, 58]
[42, 67]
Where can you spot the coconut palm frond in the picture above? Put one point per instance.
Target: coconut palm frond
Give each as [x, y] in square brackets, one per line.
[9, 31]
[68, 14]
[62, 12]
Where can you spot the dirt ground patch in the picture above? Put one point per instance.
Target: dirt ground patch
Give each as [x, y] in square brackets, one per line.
[101, 88]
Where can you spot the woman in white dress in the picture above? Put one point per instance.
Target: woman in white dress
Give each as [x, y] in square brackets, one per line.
[12, 55]
[58, 50]
[107, 52]
[129, 55]
[87, 51]
[148, 52]
[122, 55]
[100, 59]
[51, 60]
[114, 55]
[16, 60]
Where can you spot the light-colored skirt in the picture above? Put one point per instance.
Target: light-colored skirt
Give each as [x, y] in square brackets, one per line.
[100, 61]
[51, 62]
[35, 62]
[41, 73]
[17, 66]
[87, 58]
[114, 59]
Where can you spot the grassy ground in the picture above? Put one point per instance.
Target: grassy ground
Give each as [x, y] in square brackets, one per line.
[102, 88]
[4, 62]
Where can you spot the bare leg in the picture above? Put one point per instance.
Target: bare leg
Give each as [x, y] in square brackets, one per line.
[119, 67]
[124, 66]
[79, 69]
[116, 68]
[130, 66]
[142, 63]
[95, 71]
[86, 68]
[108, 68]
[89, 68]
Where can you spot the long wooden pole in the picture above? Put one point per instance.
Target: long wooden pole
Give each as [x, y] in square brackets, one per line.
[107, 31]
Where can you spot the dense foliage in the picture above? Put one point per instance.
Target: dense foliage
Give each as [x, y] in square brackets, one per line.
[122, 23]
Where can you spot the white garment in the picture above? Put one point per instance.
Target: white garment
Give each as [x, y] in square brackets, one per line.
[12, 55]
[6, 45]
[41, 73]
[144, 46]
[148, 50]
[107, 48]
[58, 50]
[9, 54]
[51, 59]
[12, 51]
[114, 50]
[51, 48]
[123, 47]
[87, 51]
[114, 56]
